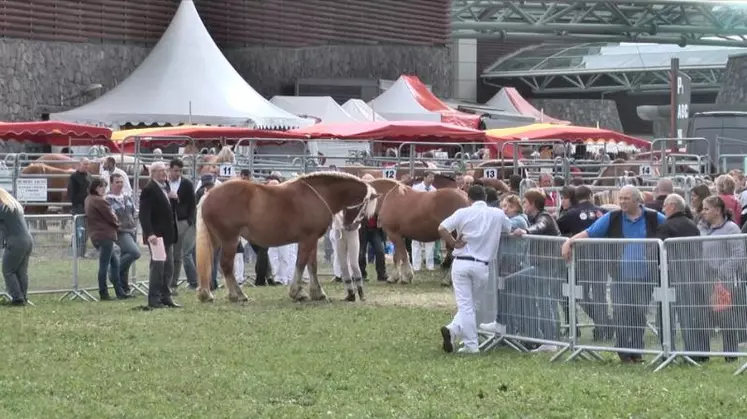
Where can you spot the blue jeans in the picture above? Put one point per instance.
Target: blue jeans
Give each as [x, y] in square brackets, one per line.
[129, 252]
[107, 261]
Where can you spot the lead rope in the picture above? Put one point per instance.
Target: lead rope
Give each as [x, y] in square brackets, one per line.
[324, 201]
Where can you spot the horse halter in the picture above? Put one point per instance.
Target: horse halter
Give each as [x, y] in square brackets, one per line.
[362, 205]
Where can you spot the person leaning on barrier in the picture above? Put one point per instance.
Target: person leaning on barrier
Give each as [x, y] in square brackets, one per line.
[633, 267]
[479, 229]
[581, 214]
[547, 278]
[158, 220]
[684, 260]
[17, 244]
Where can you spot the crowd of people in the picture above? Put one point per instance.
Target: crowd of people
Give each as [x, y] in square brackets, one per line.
[709, 276]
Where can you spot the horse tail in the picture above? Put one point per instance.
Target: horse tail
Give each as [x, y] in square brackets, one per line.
[205, 249]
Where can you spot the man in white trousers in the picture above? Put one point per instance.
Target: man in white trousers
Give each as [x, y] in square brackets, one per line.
[479, 229]
[417, 247]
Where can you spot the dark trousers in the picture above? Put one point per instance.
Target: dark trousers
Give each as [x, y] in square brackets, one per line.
[262, 267]
[159, 277]
[408, 246]
[629, 306]
[16, 267]
[108, 263]
[375, 238]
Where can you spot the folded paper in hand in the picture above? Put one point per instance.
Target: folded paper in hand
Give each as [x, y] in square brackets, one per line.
[157, 251]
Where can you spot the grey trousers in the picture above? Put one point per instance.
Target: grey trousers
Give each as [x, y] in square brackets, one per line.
[185, 242]
[159, 277]
[16, 268]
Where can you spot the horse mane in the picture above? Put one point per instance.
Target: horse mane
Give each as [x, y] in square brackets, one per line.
[225, 156]
[401, 187]
[313, 175]
[45, 168]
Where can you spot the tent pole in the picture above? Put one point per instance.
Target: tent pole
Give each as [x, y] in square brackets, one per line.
[190, 112]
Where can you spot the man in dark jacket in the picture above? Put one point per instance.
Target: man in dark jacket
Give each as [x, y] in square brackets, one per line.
[664, 188]
[591, 273]
[158, 221]
[685, 275]
[182, 192]
[77, 191]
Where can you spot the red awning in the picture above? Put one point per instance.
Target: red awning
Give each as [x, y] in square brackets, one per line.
[57, 133]
[430, 102]
[570, 133]
[395, 131]
[162, 137]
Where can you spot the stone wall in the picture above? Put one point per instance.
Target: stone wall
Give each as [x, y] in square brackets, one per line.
[35, 75]
[273, 70]
[733, 87]
[584, 112]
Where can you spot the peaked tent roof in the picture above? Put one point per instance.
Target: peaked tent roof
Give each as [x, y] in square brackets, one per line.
[394, 131]
[323, 108]
[185, 74]
[360, 111]
[510, 100]
[409, 98]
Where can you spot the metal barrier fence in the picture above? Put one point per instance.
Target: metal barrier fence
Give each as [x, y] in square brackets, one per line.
[666, 299]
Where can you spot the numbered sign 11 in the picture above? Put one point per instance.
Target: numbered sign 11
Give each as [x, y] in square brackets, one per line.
[226, 170]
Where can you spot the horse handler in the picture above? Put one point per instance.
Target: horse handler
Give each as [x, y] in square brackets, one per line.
[478, 229]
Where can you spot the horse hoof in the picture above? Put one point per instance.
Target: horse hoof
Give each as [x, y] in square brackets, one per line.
[319, 297]
[300, 298]
[360, 294]
[392, 280]
[205, 296]
[351, 296]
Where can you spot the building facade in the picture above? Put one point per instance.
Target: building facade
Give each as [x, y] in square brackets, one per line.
[52, 49]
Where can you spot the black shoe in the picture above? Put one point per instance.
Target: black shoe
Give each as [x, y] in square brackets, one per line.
[271, 282]
[18, 303]
[125, 296]
[153, 306]
[171, 304]
[383, 279]
[337, 279]
[105, 297]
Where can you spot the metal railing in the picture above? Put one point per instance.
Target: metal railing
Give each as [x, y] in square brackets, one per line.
[666, 299]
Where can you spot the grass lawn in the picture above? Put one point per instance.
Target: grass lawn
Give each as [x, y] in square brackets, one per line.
[273, 358]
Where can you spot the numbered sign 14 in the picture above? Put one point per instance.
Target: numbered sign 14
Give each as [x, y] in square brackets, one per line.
[645, 170]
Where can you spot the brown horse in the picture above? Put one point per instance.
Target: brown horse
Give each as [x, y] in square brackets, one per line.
[502, 169]
[297, 211]
[618, 168]
[404, 212]
[56, 179]
[496, 184]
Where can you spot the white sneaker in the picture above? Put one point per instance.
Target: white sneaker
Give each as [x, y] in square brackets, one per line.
[450, 339]
[493, 327]
[466, 350]
[546, 348]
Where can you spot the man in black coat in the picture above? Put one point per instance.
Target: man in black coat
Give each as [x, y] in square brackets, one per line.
[158, 220]
[182, 192]
[684, 264]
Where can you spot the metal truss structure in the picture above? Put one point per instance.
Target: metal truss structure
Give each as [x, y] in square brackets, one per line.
[703, 80]
[683, 22]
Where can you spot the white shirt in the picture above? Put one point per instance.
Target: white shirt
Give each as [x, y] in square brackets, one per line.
[199, 183]
[422, 188]
[480, 227]
[174, 184]
[104, 174]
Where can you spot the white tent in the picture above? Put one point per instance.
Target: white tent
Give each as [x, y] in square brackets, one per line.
[398, 103]
[323, 108]
[184, 79]
[360, 111]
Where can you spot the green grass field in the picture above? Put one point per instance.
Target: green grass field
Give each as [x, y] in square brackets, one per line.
[272, 358]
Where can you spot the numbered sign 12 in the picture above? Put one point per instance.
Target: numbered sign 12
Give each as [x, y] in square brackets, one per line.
[389, 173]
[226, 170]
[490, 173]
